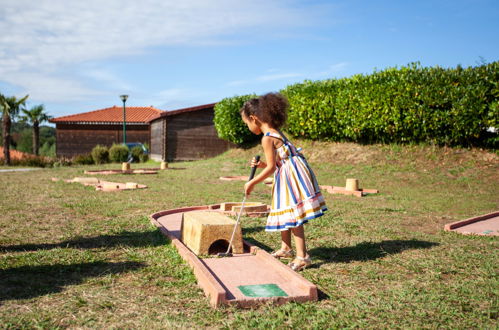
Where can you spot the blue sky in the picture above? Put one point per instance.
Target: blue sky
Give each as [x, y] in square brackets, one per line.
[77, 56]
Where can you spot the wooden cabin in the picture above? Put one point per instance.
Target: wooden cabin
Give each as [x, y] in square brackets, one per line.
[183, 134]
[80, 133]
[186, 134]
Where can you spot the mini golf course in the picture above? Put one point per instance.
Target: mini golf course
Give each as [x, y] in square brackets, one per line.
[246, 279]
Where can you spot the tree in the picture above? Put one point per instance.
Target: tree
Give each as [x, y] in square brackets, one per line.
[35, 116]
[10, 108]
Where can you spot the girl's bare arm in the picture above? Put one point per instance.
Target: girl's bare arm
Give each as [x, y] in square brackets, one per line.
[270, 157]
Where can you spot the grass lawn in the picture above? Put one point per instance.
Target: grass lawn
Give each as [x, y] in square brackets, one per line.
[74, 257]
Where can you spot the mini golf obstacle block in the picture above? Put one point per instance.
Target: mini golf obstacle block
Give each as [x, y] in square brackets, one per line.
[125, 166]
[206, 233]
[352, 185]
[131, 185]
[85, 180]
[248, 207]
[351, 188]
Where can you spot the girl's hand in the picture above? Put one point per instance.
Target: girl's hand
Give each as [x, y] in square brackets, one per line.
[258, 164]
[248, 187]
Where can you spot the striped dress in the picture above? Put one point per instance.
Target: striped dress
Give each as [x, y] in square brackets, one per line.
[296, 196]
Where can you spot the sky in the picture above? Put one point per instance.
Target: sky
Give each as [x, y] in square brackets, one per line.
[75, 56]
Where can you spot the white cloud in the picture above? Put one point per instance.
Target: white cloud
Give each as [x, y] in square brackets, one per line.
[107, 77]
[57, 32]
[52, 88]
[331, 70]
[46, 39]
[338, 67]
[271, 75]
[237, 82]
[278, 76]
[274, 75]
[171, 99]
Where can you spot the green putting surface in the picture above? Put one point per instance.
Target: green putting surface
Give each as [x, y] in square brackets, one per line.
[262, 290]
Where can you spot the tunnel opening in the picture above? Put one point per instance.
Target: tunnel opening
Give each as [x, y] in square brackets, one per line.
[219, 246]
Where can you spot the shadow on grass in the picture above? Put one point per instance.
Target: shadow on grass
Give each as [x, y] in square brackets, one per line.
[365, 251]
[258, 243]
[126, 238]
[251, 230]
[32, 281]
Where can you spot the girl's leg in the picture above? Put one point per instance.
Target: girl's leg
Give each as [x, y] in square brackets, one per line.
[299, 235]
[286, 240]
[302, 259]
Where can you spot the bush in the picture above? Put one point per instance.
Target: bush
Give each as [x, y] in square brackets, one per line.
[118, 153]
[410, 104]
[144, 158]
[138, 155]
[100, 154]
[228, 122]
[31, 160]
[85, 159]
[48, 149]
[62, 161]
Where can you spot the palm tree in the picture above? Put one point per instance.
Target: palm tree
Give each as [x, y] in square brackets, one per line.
[35, 116]
[10, 108]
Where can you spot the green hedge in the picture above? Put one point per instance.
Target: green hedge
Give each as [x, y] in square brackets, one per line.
[410, 104]
[228, 121]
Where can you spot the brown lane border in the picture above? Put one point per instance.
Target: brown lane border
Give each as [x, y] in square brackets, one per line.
[212, 288]
[106, 172]
[206, 281]
[234, 178]
[461, 223]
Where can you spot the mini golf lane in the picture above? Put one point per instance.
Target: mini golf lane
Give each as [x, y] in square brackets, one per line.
[487, 225]
[153, 170]
[261, 277]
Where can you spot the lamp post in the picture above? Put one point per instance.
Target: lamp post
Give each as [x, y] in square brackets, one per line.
[124, 98]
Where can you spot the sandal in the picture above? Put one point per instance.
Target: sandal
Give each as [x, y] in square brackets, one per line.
[282, 254]
[302, 263]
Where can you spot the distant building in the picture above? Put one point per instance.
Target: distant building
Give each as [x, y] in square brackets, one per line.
[80, 133]
[186, 134]
[183, 134]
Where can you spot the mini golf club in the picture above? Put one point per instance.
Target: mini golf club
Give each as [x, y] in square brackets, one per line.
[252, 175]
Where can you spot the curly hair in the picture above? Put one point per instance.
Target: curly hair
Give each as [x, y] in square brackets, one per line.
[270, 108]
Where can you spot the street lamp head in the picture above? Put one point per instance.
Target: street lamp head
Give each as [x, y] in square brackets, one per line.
[124, 98]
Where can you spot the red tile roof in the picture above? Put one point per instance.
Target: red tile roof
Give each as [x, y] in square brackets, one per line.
[112, 115]
[184, 110]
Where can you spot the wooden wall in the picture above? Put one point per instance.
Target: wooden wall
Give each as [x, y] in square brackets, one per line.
[158, 139]
[74, 139]
[192, 135]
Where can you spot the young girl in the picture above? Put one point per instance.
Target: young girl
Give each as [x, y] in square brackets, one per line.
[296, 196]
